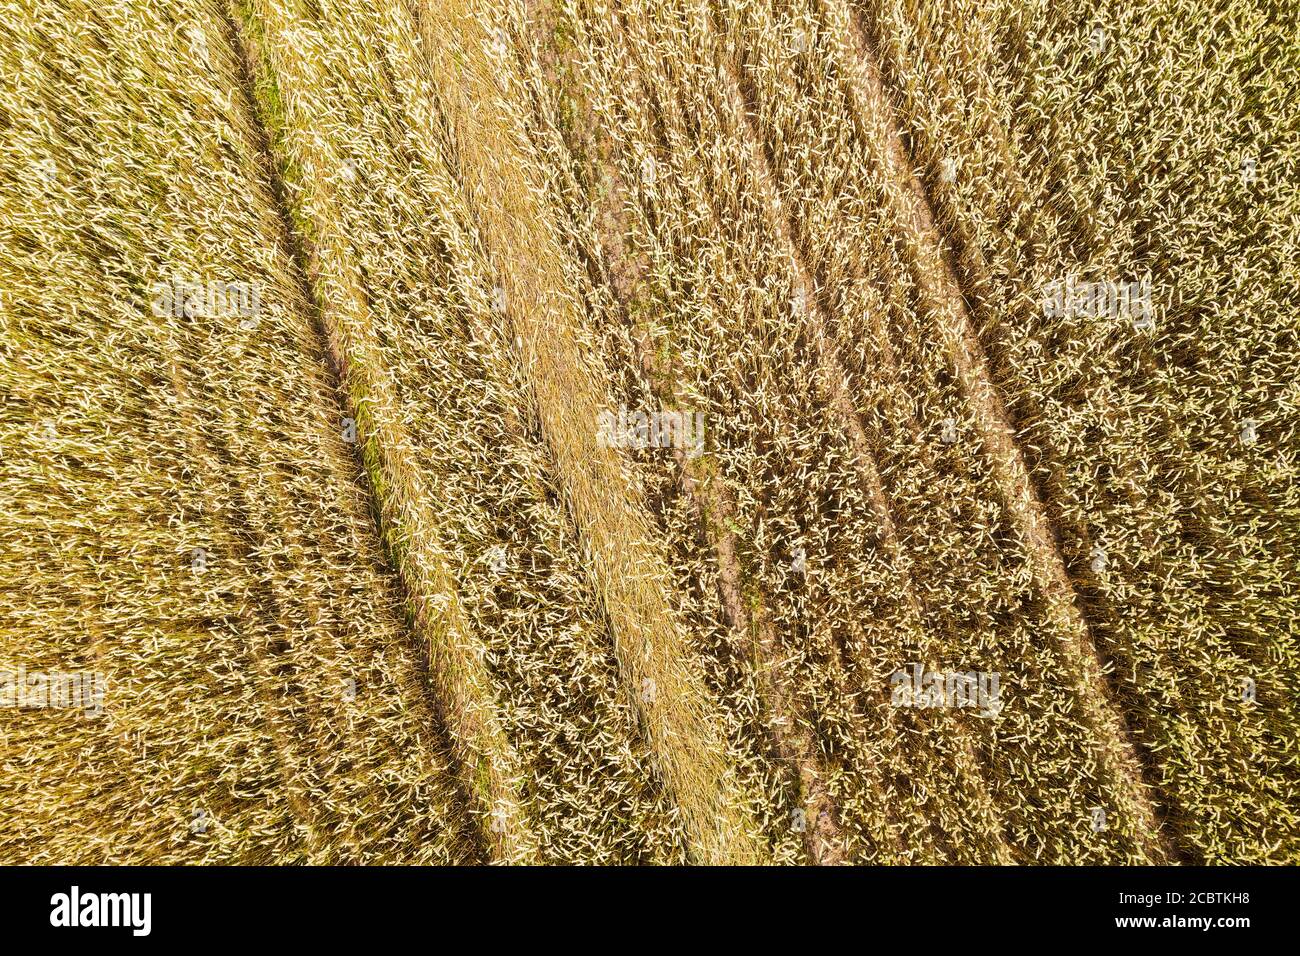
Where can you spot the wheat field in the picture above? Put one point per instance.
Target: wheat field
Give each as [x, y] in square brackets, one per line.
[650, 432]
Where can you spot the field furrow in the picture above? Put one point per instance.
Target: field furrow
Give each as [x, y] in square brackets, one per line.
[1174, 539]
[427, 335]
[208, 550]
